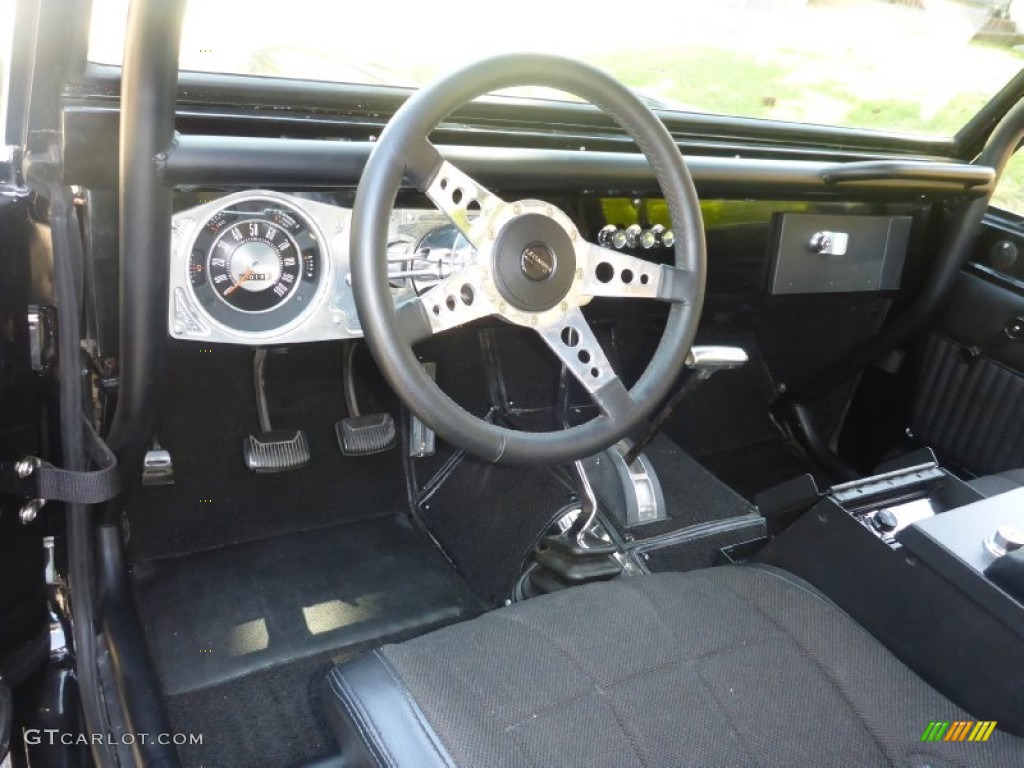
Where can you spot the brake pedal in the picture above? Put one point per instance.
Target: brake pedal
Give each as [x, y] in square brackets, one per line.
[272, 450]
[361, 434]
[365, 435]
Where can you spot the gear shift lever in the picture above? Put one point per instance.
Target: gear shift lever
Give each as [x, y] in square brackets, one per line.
[588, 506]
[572, 557]
[705, 362]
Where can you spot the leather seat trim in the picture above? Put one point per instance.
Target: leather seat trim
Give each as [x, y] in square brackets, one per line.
[724, 666]
[376, 721]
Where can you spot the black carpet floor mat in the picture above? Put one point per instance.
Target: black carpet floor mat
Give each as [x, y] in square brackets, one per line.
[218, 615]
[489, 518]
[215, 500]
[269, 719]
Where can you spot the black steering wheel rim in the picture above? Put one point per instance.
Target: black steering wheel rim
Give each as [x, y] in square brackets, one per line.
[403, 152]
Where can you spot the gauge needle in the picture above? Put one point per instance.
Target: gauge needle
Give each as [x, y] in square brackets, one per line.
[245, 276]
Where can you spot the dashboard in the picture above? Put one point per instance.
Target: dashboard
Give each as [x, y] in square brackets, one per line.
[259, 267]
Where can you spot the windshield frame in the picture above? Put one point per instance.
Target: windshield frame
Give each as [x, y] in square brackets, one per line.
[373, 103]
[742, 58]
[971, 137]
[83, 80]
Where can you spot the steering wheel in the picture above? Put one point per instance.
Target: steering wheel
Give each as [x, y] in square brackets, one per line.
[533, 267]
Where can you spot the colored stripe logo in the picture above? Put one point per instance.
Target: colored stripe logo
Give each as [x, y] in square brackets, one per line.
[958, 730]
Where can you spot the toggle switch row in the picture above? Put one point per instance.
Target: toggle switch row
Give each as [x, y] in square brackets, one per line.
[635, 236]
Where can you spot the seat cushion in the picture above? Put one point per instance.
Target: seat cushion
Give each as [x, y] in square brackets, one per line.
[740, 665]
[993, 485]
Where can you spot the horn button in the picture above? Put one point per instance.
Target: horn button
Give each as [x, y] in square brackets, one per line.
[534, 262]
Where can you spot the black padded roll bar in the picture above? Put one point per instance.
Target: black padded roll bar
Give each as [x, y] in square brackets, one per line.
[148, 96]
[148, 93]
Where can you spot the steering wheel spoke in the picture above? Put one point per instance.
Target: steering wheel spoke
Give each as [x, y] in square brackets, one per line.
[619, 275]
[574, 343]
[467, 203]
[455, 301]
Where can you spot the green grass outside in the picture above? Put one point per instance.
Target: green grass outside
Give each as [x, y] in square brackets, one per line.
[742, 85]
[861, 82]
[1009, 195]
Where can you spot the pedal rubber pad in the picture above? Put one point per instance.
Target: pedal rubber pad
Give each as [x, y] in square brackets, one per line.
[277, 451]
[365, 435]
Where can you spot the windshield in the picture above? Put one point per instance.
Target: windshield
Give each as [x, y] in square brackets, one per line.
[903, 65]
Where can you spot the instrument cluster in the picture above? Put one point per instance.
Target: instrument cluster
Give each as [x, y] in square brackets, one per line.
[262, 267]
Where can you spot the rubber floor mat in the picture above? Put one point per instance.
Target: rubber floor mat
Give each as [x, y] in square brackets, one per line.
[217, 615]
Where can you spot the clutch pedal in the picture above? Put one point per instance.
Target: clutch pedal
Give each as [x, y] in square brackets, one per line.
[272, 450]
[276, 450]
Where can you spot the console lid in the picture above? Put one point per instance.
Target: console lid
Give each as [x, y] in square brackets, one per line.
[956, 544]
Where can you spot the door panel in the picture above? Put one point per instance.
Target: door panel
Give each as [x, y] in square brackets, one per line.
[981, 314]
[969, 395]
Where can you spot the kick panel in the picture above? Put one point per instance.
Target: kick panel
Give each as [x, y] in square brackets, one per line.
[968, 407]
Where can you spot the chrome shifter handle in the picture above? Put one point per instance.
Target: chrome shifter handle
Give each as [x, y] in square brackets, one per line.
[706, 361]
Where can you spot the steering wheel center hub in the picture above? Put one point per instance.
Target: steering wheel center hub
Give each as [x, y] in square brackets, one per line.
[538, 262]
[534, 262]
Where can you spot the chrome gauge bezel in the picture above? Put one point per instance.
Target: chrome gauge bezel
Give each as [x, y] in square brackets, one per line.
[314, 318]
[299, 302]
[331, 313]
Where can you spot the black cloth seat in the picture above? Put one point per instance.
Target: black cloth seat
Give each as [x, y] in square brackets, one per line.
[732, 666]
[993, 485]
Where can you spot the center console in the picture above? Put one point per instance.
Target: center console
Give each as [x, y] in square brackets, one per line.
[978, 548]
[929, 567]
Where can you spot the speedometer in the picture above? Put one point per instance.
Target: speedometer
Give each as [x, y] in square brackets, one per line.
[256, 265]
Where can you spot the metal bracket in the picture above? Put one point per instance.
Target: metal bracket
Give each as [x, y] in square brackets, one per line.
[42, 337]
[422, 440]
[37, 481]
